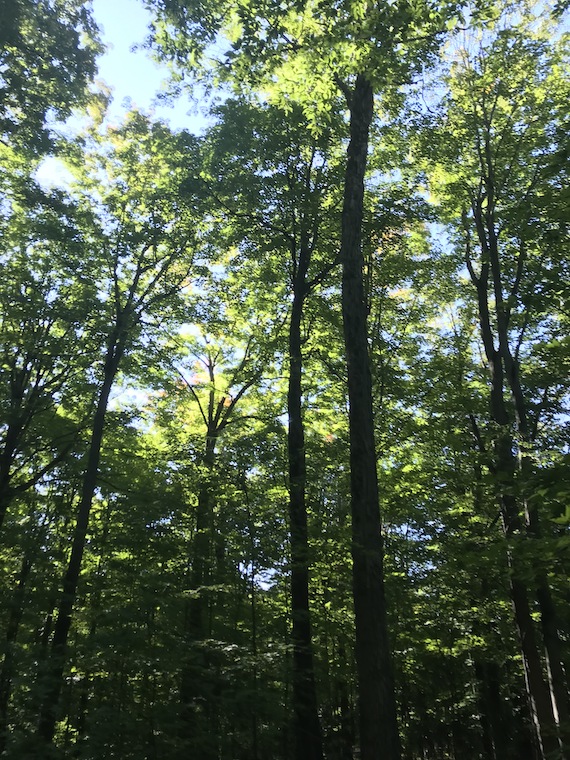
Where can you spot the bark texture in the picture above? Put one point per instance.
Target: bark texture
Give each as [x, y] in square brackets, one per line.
[378, 722]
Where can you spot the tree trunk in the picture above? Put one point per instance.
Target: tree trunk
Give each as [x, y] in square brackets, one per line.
[495, 738]
[551, 638]
[201, 548]
[307, 729]
[346, 715]
[195, 686]
[6, 462]
[537, 690]
[505, 470]
[553, 649]
[378, 722]
[16, 612]
[56, 665]
[503, 370]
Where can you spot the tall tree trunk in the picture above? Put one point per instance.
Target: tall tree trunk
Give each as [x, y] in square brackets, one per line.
[505, 465]
[194, 685]
[494, 716]
[307, 729]
[554, 658]
[56, 664]
[6, 461]
[378, 722]
[346, 714]
[537, 690]
[202, 544]
[503, 369]
[253, 619]
[550, 635]
[6, 674]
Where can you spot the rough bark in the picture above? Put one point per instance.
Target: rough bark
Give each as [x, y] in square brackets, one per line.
[378, 722]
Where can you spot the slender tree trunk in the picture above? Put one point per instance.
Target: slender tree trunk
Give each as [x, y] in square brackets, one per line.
[378, 722]
[307, 733]
[6, 674]
[201, 548]
[6, 461]
[346, 715]
[554, 658]
[491, 749]
[504, 371]
[550, 635]
[537, 691]
[194, 678]
[253, 620]
[548, 615]
[194, 683]
[505, 465]
[56, 665]
[254, 716]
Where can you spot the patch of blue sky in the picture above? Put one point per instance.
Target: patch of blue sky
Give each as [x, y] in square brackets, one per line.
[133, 79]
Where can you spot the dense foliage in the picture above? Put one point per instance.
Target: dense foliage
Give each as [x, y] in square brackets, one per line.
[284, 440]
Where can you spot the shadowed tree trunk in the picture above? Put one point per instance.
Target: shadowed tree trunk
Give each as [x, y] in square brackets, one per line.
[378, 723]
[56, 663]
[7, 672]
[196, 691]
[194, 685]
[308, 739]
[505, 466]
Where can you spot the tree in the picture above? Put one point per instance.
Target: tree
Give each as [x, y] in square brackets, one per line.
[280, 52]
[279, 214]
[142, 244]
[179, 433]
[505, 133]
[41, 313]
[48, 58]
[216, 388]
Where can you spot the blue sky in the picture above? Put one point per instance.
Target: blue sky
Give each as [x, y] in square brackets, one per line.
[132, 74]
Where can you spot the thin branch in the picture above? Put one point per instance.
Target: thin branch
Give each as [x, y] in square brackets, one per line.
[480, 442]
[323, 274]
[468, 255]
[190, 387]
[520, 269]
